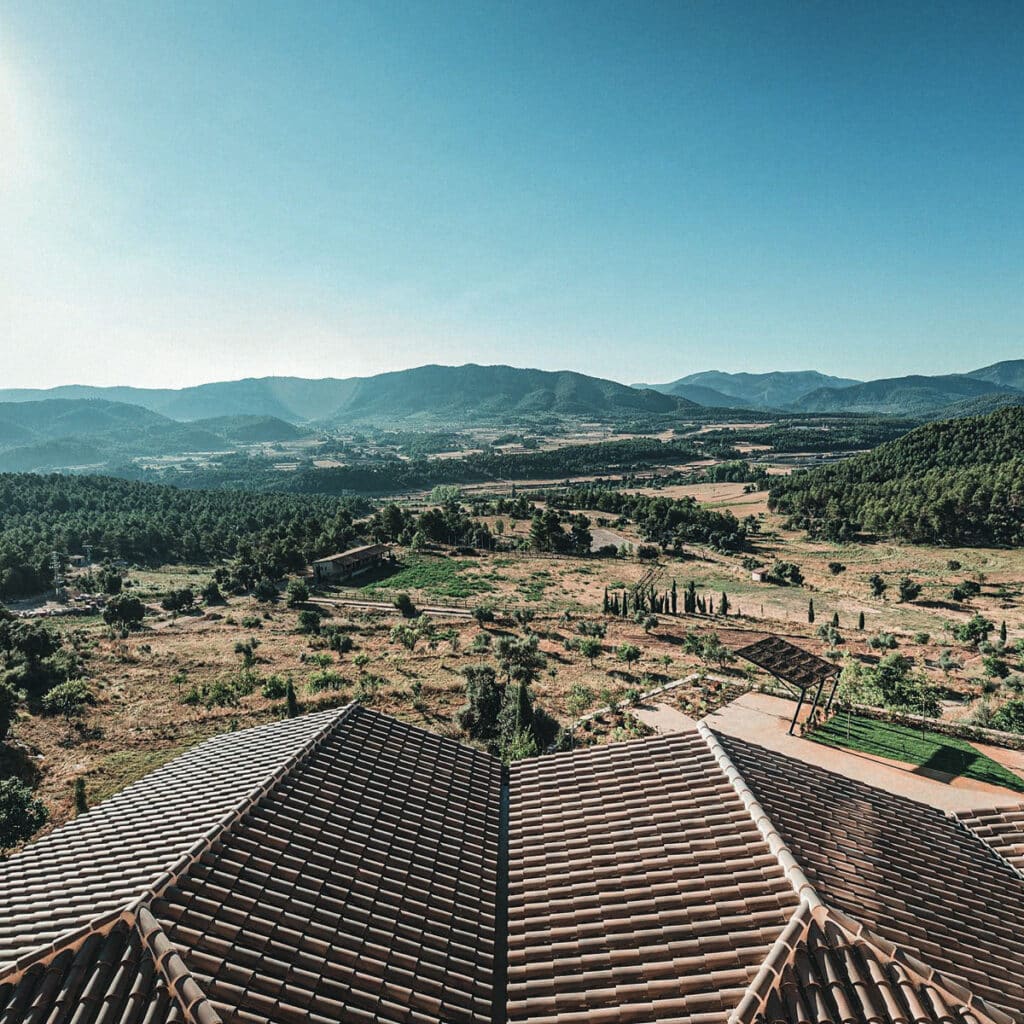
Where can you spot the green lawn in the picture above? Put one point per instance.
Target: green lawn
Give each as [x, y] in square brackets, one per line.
[928, 750]
[442, 577]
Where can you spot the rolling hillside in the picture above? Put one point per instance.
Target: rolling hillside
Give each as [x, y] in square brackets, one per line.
[776, 390]
[957, 482]
[899, 396]
[462, 394]
[81, 433]
[252, 429]
[436, 394]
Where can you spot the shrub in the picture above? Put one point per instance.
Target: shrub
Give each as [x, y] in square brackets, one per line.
[68, 699]
[579, 699]
[265, 591]
[21, 814]
[124, 610]
[178, 600]
[404, 603]
[211, 593]
[297, 593]
[309, 621]
[483, 613]
[252, 622]
[325, 679]
[275, 687]
[882, 642]
[836, 568]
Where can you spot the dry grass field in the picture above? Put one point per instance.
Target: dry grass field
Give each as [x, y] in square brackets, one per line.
[140, 681]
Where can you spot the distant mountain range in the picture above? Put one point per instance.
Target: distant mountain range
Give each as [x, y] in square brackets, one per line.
[427, 394]
[809, 391]
[78, 426]
[777, 390]
[58, 433]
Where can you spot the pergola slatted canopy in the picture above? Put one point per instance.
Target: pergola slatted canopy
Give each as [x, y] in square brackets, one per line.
[792, 665]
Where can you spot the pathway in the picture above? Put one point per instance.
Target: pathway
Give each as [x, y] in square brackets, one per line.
[764, 720]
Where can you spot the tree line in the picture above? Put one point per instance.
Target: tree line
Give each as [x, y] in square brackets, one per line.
[152, 524]
[668, 522]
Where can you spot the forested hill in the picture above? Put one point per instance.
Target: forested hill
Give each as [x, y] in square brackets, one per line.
[150, 523]
[954, 482]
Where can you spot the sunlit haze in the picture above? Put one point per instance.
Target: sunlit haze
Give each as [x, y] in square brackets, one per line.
[195, 191]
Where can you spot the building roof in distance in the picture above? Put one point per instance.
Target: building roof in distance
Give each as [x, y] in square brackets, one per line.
[362, 870]
[352, 553]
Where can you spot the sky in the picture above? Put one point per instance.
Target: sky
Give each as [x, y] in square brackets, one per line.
[197, 191]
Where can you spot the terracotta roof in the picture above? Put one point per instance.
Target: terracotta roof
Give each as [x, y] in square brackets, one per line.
[99, 862]
[363, 888]
[828, 968]
[905, 871]
[380, 873]
[788, 662]
[1002, 828]
[640, 889]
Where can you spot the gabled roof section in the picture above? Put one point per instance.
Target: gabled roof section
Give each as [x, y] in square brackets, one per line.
[828, 968]
[788, 662]
[363, 887]
[915, 879]
[1001, 828]
[640, 888]
[95, 866]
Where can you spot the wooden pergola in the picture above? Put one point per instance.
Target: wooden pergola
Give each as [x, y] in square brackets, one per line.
[796, 668]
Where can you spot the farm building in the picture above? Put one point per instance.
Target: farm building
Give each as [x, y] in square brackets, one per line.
[347, 867]
[349, 563]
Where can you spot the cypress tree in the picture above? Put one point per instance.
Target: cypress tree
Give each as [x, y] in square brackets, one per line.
[81, 803]
[723, 604]
[604, 607]
[291, 703]
[835, 620]
[1002, 634]
[860, 621]
[711, 605]
[673, 597]
[810, 610]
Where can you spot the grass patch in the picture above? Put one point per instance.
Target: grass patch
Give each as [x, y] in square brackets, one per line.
[443, 577]
[927, 750]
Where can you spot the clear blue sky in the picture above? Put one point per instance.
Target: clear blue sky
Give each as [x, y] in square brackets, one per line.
[193, 191]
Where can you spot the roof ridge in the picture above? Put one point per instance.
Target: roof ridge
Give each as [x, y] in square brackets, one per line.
[181, 982]
[770, 972]
[776, 844]
[813, 909]
[103, 923]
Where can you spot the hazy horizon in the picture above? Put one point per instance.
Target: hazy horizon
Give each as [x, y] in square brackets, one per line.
[196, 193]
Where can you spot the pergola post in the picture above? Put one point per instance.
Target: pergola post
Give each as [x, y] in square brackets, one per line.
[799, 705]
[831, 696]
